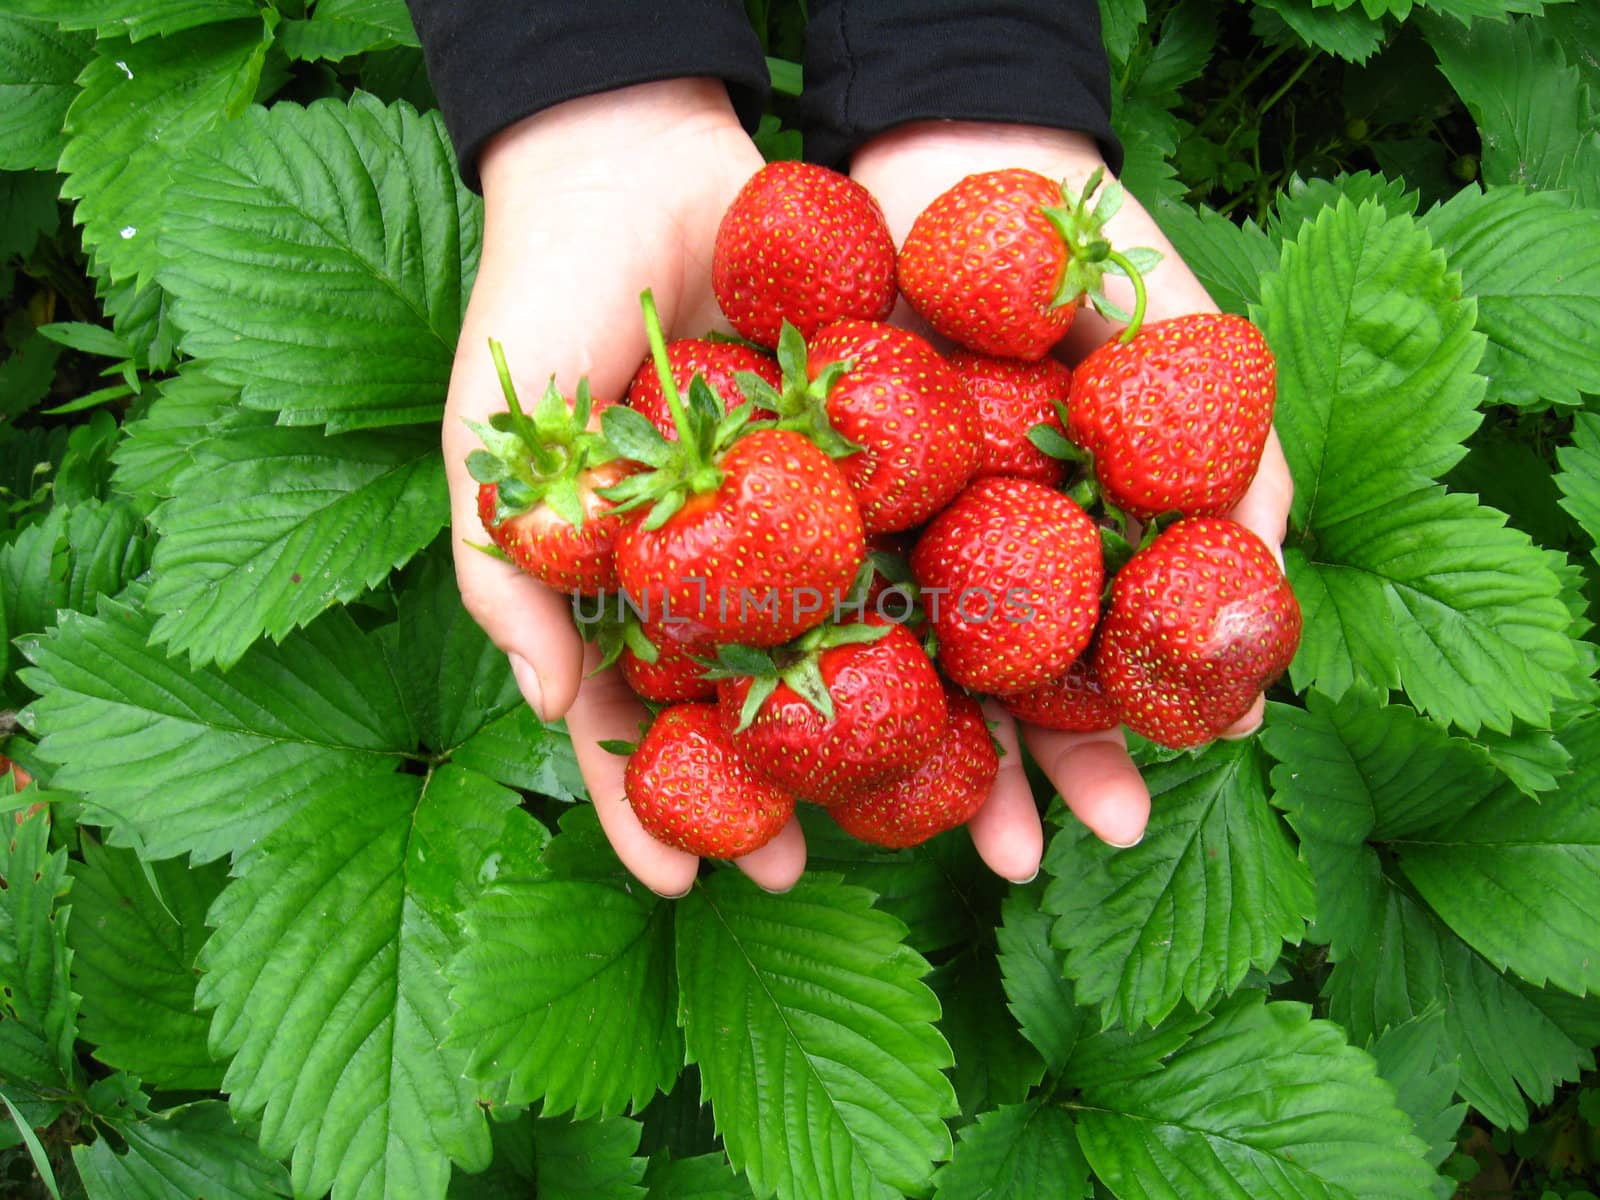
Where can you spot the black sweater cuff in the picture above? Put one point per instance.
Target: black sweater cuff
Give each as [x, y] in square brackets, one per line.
[493, 64]
[872, 65]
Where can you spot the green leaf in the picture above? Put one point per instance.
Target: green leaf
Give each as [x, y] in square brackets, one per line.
[1352, 771]
[269, 529]
[38, 1010]
[1432, 593]
[1579, 478]
[1120, 23]
[134, 955]
[1302, 200]
[1209, 1124]
[201, 762]
[194, 1150]
[588, 1160]
[75, 554]
[830, 1084]
[137, 19]
[36, 1150]
[1228, 259]
[1214, 890]
[339, 29]
[1350, 35]
[1410, 1057]
[27, 211]
[1535, 116]
[1012, 1153]
[159, 447]
[521, 751]
[1037, 991]
[39, 65]
[1375, 352]
[140, 109]
[1532, 260]
[87, 338]
[994, 1063]
[702, 1177]
[565, 987]
[350, 194]
[1541, 863]
[327, 976]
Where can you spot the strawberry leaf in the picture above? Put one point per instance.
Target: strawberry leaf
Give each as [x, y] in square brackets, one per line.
[195, 1149]
[38, 1009]
[134, 953]
[588, 1160]
[1529, 260]
[1203, 1124]
[135, 19]
[564, 989]
[266, 531]
[1214, 890]
[339, 29]
[1579, 479]
[1352, 776]
[1038, 992]
[140, 110]
[39, 65]
[1007, 1152]
[348, 191]
[326, 974]
[833, 1086]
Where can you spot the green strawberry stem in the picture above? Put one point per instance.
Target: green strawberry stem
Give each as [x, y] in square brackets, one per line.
[705, 476]
[546, 461]
[1140, 296]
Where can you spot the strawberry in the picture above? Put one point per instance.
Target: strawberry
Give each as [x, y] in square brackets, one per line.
[1200, 621]
[804, 244]
[1000, 261]
[1073, 701]
[1176, 418]
[1011, 398]
[1010, 576]
[750, 536]
[718, 362]
[674, 675]
[690, 789]
[540, 479]
[945, 791]
[846, 710]
[883, 402]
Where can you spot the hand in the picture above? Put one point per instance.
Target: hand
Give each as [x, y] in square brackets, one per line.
[585, 205]
[905, 169]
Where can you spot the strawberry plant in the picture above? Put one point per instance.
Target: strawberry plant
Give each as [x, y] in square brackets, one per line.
[298, 898]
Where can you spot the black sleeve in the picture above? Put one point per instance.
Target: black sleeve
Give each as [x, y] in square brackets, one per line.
[493, 62]
[874, 64]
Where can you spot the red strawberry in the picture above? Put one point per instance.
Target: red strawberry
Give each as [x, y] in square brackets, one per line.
[1010, 576]
[1012, 397]
[837, 715]
[718, 362]
[891, 394]
[1176, 418]
[804, 244]
[1200, 621]
[748, 537]
[690, 789]
[539, 478]
[1000, 261]
[945, 791]
[1074, 701]
[674, 676]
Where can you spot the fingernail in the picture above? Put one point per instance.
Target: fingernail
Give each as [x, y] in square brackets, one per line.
[783, 891]
[1239, 737]
[1124, 845]
[1023, 882]
[675, 895]
[528, 683]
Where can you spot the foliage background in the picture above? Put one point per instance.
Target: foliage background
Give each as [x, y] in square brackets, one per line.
[301, 902]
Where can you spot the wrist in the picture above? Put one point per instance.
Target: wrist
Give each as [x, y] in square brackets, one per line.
[985, 146]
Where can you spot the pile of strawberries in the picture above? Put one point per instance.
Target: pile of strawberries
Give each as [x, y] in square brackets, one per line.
[812, 548]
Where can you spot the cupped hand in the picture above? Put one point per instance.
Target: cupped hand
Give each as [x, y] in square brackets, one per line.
[905, 169]
[586, 205]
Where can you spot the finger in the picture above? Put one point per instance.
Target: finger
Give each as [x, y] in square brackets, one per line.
[1006, 831]
[1097, 779]
[1265, 506]
[777, 866]
[606, 710]
[1247, 725]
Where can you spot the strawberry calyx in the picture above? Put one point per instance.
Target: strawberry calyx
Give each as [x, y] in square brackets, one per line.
[675, 470]
[802, 402]
[1091, 257]
[536, 458]
[612, 628]
[796, 664]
